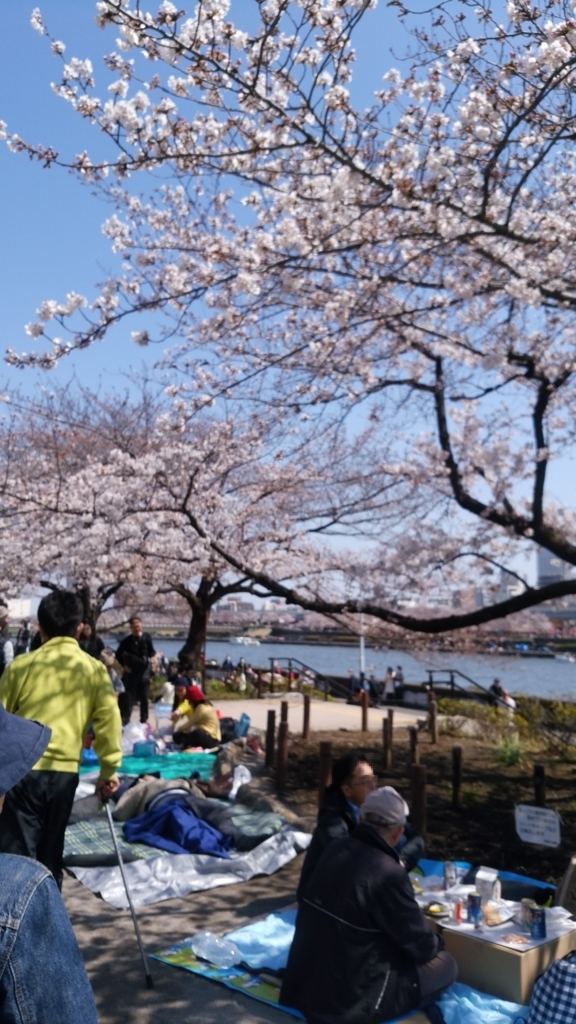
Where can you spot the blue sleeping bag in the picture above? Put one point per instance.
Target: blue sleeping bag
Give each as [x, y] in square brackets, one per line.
[172, 826]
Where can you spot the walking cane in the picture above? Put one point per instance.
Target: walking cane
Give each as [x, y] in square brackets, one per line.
[149, 981]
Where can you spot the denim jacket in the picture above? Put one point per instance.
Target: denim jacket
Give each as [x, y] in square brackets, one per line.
[42, 977]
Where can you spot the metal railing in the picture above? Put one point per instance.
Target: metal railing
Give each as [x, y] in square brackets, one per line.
[451, 682]
[329, 684]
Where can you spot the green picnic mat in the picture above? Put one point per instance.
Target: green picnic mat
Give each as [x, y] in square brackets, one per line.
[92, 838]
[170, 766]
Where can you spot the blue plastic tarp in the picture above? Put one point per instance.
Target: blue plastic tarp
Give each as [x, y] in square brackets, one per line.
[436, 867]
[266, 943]
[461, 1004]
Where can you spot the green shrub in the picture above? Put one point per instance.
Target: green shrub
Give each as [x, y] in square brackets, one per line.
[495, 722]
[508, 751]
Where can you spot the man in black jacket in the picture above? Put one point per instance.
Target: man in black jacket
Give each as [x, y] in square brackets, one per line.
[134, 654]
[362, 951]
[352, 781]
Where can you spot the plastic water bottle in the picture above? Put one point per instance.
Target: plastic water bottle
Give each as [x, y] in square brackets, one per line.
[217, 950]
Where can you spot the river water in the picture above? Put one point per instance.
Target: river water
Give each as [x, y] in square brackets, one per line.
[541, 677]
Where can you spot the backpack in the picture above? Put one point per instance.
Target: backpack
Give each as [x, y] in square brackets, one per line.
[554, 996]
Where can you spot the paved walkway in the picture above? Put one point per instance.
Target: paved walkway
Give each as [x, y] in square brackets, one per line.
[325, 716]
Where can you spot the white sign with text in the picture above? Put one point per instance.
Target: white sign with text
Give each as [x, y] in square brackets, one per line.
[538, 825]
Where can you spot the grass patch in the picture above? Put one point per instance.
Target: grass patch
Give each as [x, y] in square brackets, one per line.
[508, 751]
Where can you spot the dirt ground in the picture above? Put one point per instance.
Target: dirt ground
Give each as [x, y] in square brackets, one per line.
[482, 832]
[108, 943]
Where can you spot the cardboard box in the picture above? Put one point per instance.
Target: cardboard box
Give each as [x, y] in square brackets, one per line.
[506, 973]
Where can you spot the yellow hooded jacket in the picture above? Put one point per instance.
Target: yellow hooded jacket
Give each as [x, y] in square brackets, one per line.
[64, 688]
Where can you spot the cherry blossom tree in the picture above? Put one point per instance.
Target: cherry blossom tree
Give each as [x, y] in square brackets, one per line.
[405, 271]
[97, 493]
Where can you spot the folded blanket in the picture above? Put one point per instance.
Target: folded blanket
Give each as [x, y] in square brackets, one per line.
[174, 827]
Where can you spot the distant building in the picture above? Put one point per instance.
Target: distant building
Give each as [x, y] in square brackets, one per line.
[509, 586]
[551, 569]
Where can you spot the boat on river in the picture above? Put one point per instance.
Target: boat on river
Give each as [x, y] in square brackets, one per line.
[247, 641]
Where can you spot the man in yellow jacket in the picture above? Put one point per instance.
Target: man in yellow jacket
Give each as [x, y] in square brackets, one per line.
[64, 688]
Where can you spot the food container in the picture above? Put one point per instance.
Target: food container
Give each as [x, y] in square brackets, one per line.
[488, 884]
[450, 874]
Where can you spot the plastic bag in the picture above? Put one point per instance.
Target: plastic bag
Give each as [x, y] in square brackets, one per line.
[133, 732]
[218, 951]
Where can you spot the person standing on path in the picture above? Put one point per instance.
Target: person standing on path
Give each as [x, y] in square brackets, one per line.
[134, 654]
[64, 688]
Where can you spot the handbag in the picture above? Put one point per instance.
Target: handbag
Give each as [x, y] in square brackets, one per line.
[554, 996]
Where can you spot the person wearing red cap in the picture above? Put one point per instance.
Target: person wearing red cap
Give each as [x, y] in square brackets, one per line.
[200, 727]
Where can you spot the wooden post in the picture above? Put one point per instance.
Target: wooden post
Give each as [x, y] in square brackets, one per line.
[539, 784]
[270, 730]
[306, 723]
[390, 734]
[418, 801]
[282, 757]
[434, 721]
[391, 720]
[364, 711]
[413, 734]
[456, 776]
[324, 769]
[386, 743]
[259, 684]
[284, 711]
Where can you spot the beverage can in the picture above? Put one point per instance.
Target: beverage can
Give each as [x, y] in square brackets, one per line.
[474, 908]
[537, 923]
[450, 874]
[456, 907]
[526, 906]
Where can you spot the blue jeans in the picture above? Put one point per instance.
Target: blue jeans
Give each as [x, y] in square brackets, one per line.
[42, 977]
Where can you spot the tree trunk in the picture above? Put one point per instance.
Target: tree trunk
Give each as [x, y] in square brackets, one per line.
[196, 640]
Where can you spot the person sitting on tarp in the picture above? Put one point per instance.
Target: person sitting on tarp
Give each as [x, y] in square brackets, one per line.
[352, 781]
[362, 950]
[180, 691]
[200, 727]
[42, 977]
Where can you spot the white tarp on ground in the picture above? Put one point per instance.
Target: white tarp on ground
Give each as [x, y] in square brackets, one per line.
[164, 878]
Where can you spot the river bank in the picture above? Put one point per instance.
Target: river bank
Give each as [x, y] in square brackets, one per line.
[548, 677]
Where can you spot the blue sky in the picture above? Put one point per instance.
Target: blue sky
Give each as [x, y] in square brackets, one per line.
[51, 241]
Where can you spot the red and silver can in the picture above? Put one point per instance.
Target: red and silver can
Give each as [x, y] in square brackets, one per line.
[457, 908]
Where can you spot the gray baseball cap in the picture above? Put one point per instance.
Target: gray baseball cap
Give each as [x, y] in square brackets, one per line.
[385, 806]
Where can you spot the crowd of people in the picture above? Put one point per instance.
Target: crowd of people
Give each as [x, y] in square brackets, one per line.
[387, 690]
[362, 951]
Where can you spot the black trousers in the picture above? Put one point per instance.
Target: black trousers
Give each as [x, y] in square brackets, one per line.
[137, 690]
[35, 815]
[195, 738]
[435, 976]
